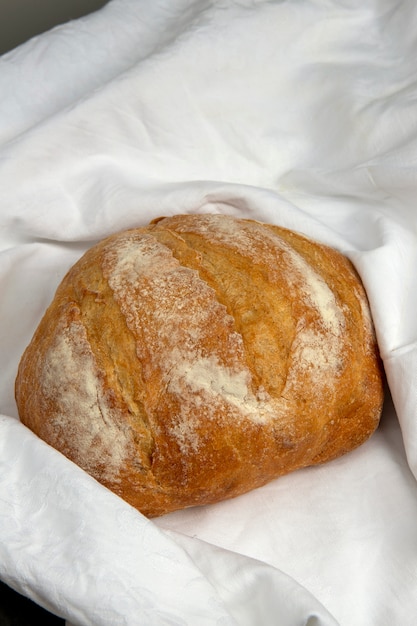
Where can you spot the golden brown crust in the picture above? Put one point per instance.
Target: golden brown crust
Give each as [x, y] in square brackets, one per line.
[200, 357]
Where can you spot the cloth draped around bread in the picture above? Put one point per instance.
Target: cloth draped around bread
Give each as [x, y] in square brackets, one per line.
[297, 114]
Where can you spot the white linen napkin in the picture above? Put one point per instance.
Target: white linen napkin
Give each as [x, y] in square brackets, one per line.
[302, 114]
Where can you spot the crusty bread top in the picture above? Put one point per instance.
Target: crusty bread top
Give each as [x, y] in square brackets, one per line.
[201, 356]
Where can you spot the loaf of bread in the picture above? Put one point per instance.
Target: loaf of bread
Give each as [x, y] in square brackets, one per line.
[200, 357]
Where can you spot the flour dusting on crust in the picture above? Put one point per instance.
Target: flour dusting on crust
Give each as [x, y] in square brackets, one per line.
[318, 351]
[71, 379]
[176, 311]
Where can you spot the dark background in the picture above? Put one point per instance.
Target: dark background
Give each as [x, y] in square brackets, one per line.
[16, 610]
[22, 19]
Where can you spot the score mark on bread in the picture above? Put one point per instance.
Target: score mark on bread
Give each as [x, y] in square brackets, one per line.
[200, 357]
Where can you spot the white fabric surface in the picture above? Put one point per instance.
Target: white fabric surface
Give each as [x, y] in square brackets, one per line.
[300, 113]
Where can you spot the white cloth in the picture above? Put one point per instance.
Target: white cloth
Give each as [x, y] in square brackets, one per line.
[299, 113]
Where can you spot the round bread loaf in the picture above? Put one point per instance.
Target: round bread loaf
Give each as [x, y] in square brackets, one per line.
[202, 356]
